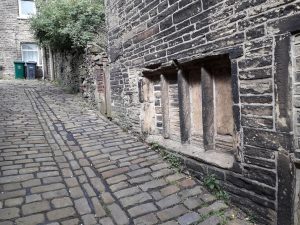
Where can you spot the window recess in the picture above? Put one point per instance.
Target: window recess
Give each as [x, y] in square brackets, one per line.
[195, 104]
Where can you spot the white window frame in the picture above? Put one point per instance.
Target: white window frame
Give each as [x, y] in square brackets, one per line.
[38, 52]
[22, 16]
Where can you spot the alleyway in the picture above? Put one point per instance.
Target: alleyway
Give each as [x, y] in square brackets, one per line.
[64, 164]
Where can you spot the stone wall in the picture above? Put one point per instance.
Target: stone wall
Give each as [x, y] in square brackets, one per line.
[150, 38]
[68, 68]
[82, 72]
[14, 31]
[93, 82]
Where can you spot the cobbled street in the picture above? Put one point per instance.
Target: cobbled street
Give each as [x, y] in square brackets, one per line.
[62, 163]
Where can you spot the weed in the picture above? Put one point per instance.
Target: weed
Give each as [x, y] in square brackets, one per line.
[222, 195]
[70, 89]
[251, 218]
[155, 146]
[172, 159]
[213, 185]
[220, 214]
[106, 210]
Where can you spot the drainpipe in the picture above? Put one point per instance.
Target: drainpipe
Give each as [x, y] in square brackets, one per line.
[51, 65]
[44, 63]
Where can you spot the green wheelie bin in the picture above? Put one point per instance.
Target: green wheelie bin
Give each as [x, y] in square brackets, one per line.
[19, 69]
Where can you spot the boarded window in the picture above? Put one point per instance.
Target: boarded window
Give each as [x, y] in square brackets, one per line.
[296, 88]
[218, 103]
[174, 108]
[196, 107]
[223, 107]
[205, 119]
[158, 106]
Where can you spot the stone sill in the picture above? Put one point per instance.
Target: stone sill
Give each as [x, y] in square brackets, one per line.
[23, 18]
[215, 158]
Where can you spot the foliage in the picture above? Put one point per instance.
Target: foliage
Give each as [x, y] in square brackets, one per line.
[251, 218]
[67, 88]
[155, 146]
[213, 185]
[172, 159]
[68, 24]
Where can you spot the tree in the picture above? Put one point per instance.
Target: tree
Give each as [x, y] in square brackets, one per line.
[68, 24]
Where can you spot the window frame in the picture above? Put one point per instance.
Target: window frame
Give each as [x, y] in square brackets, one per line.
[38, 52]
[24, 16]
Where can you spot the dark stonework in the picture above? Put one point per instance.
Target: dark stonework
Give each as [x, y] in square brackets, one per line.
[268, 139]
[290, 24]
[237, 117]
[254, 35]
[286, 182]
[141, 94]
[234, 82]
[283, 83]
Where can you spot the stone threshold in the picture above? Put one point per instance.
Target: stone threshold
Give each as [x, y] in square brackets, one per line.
[212, 157]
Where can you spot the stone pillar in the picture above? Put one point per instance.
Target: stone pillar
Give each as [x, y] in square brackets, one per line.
[184, 106]
[285, 192]
[165, 106]
[297, 197]
[107, 86]
[208, 110]
[148, 112]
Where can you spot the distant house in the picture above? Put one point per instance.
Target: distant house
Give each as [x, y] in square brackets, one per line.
[16, 39]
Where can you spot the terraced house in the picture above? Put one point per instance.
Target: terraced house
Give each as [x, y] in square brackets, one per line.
[16, 39]
[218, 82]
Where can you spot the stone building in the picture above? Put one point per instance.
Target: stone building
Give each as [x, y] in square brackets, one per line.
[218, 82]
[16, 39]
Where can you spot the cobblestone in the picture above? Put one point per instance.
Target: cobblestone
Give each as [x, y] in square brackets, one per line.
[9, 213]
[170, 213]
[132, 200]
[189, 218]
[118, 214]
[89, 219]
[61, 202]
[192, 203]
[14, 202]
[61, 163]
[82, 206]
[168, 201]
[98, 208]
[35, 207]
[60, 213]
[148, 219]
[214, 220]
[215, 207]
[142, 209]
[34, 219]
